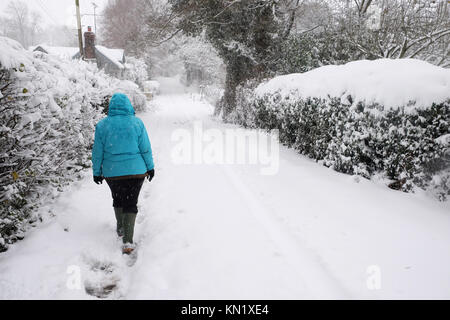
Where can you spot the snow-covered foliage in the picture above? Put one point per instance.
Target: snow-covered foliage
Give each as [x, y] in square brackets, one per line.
[306, 51]
[246, 35]
[417, 29]
[202, 63]
[49, 107]
[132, 90]
[367, 117]
[390, 83]
[136, 71]
[203, 67]
[12, 53]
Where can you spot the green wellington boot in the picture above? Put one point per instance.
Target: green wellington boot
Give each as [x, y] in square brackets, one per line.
[129, 220]
[119, 218]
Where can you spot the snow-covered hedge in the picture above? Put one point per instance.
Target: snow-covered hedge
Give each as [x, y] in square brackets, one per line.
[132, 90]
[48, 109]
[388, 117]
[136, 71]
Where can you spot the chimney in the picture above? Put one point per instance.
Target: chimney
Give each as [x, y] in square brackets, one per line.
[89, 44]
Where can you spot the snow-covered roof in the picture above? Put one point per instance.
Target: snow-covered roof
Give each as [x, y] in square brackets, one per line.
[116, 56]
[11, 53]
[63, 52]
[391, 83]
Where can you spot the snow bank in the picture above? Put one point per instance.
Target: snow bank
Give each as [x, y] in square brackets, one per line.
[391, 83]
[12, 54]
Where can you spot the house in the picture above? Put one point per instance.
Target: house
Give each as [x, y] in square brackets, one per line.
[112, 61]
[62, 52]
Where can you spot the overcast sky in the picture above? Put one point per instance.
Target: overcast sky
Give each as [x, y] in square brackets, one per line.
[61, 11]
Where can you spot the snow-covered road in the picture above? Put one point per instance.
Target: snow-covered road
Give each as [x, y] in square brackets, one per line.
[228, 232]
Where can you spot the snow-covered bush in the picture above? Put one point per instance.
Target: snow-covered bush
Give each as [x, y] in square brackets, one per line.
[133, 91]
[387, 117]
[49, 108]
[136, 71]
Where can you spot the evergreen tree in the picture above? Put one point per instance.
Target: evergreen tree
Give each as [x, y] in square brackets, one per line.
[246, 34]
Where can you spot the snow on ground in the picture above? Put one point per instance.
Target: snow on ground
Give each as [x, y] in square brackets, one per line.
[388, 82]
[228, 232]
[170, 86]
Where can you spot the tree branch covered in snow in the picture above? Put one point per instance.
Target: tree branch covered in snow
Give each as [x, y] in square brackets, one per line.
[398, 28]
[246, 34]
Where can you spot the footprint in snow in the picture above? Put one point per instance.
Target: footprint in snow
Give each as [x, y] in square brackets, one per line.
[102, 279]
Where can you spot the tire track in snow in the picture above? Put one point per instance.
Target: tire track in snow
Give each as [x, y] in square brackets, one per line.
[320, 282]
[305, 263]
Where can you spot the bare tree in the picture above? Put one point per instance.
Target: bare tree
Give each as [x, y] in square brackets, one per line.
[5, 28]
[401, 29]
[137, 25]
[122, 23]
[21, 24]
[35, 28]
[363, 5]
[60, 36]
[19, 18]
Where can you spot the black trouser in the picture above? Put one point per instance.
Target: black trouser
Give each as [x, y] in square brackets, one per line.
[125, 193]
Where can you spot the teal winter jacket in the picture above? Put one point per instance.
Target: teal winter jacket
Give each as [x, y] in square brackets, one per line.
[121, 147]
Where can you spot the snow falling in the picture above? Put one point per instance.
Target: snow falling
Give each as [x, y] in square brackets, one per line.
[300, 151]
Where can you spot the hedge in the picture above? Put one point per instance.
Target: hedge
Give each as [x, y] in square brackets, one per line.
[408, 146]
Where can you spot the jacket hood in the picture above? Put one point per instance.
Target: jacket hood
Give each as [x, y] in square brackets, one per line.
[120, 104]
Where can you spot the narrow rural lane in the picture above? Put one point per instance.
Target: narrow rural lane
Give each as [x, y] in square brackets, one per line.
[229, 232]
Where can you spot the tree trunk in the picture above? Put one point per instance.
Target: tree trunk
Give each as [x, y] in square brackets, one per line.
[229, 98]
[238, 70]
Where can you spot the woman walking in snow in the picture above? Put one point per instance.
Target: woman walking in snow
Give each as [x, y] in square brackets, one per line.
[122, 155]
